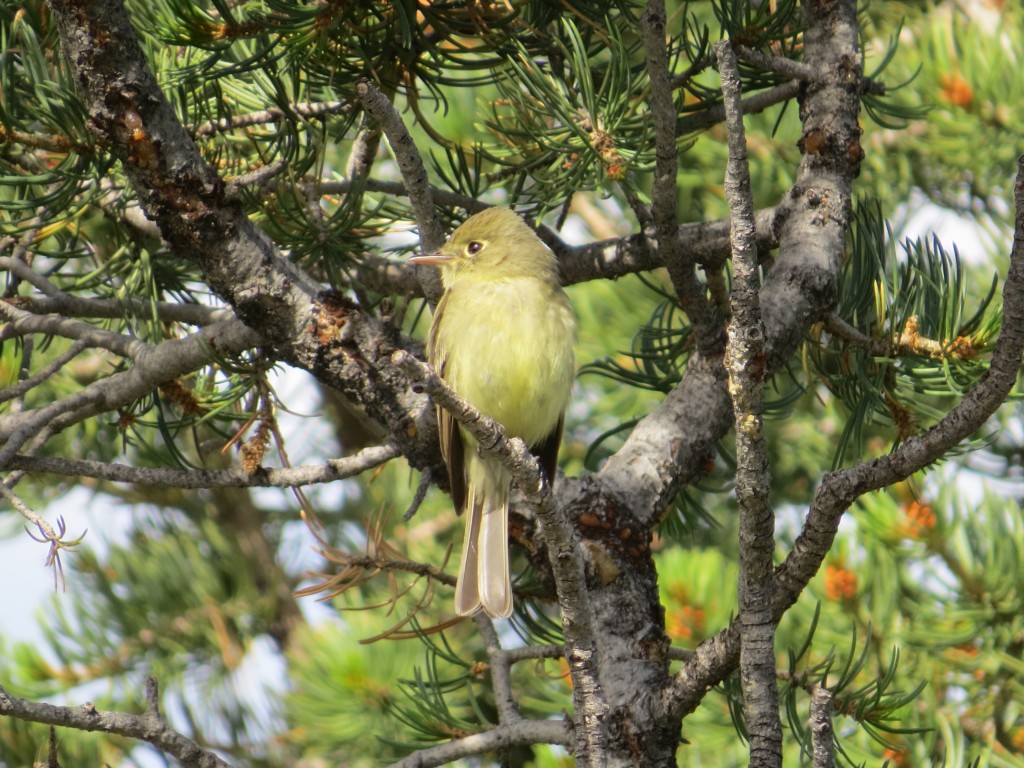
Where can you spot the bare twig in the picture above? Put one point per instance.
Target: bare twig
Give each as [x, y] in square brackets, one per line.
[788, 68]
[421, 494]
[21, 322]
[303, 110]
[822, 734]
[398, 189]
[236, 477]
[680, 262]
[51, 758]
[744, 361]
[519, 732]
[149, 726]
[758, 102]
[59, 303]
[707, 241]
[27, 512]
[501, 671]
[796, 70]
[410, 163]
[364, 151]
[255, 177]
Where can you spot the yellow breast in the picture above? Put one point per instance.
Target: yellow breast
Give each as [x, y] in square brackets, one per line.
[507, 347]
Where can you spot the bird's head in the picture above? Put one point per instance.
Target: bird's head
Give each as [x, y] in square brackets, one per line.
[493, 244]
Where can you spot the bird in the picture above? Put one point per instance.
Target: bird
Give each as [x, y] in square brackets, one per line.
[502, 338]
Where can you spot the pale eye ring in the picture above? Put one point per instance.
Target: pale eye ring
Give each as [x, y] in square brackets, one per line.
[475, 246]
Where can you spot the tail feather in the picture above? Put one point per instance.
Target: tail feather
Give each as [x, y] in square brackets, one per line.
[493, 581]
[484, 579]
[467, 595]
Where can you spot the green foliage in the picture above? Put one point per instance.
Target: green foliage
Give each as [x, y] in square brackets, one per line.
[915, 624]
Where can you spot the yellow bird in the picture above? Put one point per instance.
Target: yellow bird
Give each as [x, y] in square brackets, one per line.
[502, 338]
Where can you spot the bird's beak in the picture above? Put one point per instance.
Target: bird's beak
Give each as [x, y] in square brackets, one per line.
[435, 259]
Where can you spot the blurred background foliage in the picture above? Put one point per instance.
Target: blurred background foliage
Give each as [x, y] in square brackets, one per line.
[916, 620]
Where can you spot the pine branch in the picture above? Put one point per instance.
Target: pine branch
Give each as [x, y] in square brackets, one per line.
[236, 477]
[302, 110]
[669, 447]
[154, 366]
[320, 333]
[409, 162]
[150, 726]
[716, 658]
[679, 261]
[744, 362]
[518, 733]
[501, 671]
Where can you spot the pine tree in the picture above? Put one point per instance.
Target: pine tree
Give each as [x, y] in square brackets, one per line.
[787, 530]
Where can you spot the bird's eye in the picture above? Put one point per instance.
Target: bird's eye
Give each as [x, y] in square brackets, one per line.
[475, 246]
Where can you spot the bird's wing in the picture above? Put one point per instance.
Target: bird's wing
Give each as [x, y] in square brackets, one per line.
[452, 449]
[546, 450]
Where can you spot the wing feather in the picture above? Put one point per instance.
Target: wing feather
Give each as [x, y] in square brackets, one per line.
[452, 449]
[546, 451]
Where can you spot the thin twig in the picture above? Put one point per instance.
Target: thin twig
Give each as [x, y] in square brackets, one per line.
[255, 177]
[823, 740]
[56, 301]
[699, 121]
[520, 732]
[236, 477]
[534, 652]
[791, 69]
[744, 361]
[149, 726]
[23, 509]
[303, 110]
[417, 182]
[501, 671]
[441, 196]
[679, 262]
[426, 477]
[26, 384]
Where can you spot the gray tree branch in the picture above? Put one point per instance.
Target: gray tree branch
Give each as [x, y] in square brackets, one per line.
[678, 261]
[823, 737]
[149, 726]
[236, 477]
[519, 732]
[744, 362]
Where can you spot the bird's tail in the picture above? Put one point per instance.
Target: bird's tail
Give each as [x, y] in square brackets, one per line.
[484, 580]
